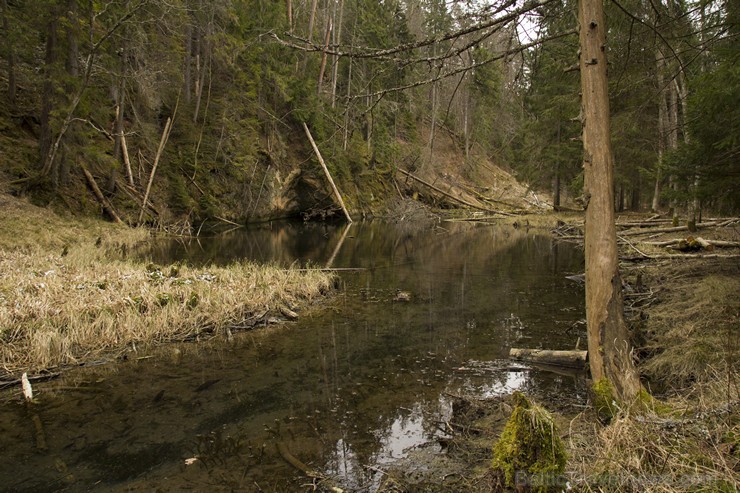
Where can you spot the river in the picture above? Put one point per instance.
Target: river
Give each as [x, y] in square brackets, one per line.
[352, 386]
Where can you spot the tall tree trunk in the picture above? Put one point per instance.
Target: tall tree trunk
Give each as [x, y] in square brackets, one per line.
[311, 20]
[683, 96]
[289, 8]
[120, 103]
[608, 343]
[9, 54]
[662, 127]
[636, 191]
[337, 39]
[47, 92]
[324, 56]
[188, 61]
[673, 142]
[72, 63]
[556, 180]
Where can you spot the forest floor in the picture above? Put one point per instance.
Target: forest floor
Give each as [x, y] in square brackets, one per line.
[72, 293]
[684, 319]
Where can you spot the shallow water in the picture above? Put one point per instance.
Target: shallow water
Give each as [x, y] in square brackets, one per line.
[349, 388]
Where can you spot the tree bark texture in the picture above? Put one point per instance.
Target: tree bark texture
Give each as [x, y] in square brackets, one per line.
[608, 342]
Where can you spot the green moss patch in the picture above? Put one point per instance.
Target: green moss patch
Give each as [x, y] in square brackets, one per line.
[530, 452]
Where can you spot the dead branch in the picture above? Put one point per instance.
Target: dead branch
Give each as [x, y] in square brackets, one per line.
[337, 195]
[107, 207]
[647, 231]
[450, 196]
[678, 256]
[162, 142]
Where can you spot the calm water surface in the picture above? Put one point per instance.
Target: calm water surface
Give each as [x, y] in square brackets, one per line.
[348, 388]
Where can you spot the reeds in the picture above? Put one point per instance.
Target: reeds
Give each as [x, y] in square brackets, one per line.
[58, 310]
[85, 299]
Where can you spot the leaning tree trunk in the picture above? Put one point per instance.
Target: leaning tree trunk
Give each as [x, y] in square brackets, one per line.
[608, 343]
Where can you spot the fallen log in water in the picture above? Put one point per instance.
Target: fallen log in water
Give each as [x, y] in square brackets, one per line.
[570, 359]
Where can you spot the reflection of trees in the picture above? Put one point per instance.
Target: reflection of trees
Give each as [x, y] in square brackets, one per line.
[337, 381]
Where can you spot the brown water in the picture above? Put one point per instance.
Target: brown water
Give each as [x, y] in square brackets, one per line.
[348, 388]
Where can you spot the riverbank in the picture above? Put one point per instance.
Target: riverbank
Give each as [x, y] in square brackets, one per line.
[683, 315]
[70, 292]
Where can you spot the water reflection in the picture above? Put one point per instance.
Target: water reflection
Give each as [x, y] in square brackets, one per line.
[346, 389]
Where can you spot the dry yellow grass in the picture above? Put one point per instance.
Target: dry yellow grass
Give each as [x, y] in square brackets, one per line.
[82, 300]
[690, 443]
[688, 446]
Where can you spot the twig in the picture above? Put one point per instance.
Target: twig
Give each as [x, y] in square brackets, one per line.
[633, 247]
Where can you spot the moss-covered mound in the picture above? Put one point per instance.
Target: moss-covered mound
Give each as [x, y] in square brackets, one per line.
[530, 452]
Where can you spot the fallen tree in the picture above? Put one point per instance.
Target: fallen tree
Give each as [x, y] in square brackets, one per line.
[570, 359]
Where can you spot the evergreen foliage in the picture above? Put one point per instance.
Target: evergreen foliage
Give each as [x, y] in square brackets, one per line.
[79, 75]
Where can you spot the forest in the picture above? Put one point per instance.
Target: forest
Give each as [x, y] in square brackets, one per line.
[92, 86]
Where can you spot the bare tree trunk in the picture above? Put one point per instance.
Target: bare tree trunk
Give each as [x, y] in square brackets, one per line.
[556, 181]
[118, 132]
[608, 343]
[345, 140]
[337, 195]
[433, 128]
[162, 143]
[289, 7]
[47, 93]
[662, 127]
[311, 20]
[9, 55]
[324, 56]
[188, 61]
[73, 48]
[337, 40]
[683, 96]
[673, 142]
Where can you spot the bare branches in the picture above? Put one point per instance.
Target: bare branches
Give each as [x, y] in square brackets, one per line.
[464, 68]
[367, 52]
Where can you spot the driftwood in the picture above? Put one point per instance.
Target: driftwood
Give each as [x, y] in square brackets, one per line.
[107, 207]
[326, 172]
[450, 196]
[569, 359]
